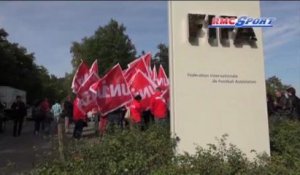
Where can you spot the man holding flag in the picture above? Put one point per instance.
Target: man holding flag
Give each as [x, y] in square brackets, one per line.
[158, 107]
[136, 112]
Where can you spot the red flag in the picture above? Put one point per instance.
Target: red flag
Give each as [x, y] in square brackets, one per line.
[154, 74]
[87, 99]
[162, 79]
[88, 102]
[94, 67]
[166, 96]
[143, 86]
[93, 78]
[130, 72]
[77, 111]
[138, 64]
[143, 63]
[80, 76]
[112, 91]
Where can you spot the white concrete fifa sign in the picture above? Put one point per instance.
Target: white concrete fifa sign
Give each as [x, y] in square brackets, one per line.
[217, 75]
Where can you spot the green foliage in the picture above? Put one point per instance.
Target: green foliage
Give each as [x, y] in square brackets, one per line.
[285, 144]
[152, 152]
[274, 83]
[18, 69]
[127, 152]
[109, 44]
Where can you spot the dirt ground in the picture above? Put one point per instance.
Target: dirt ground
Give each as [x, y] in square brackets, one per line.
[21, 154]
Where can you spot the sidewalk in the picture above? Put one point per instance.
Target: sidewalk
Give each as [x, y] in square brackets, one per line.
[20, 154]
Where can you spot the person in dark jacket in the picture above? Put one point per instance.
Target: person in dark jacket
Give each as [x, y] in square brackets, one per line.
[295, 103]
[270, 105]
[280, 103]
[68, 109]
[19, 112]
[1, 116]
[37, 116]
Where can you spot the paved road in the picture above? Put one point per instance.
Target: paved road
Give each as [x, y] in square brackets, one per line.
[20, 154]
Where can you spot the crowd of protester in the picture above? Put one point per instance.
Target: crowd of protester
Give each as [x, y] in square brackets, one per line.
[284, 104]
[132, 116]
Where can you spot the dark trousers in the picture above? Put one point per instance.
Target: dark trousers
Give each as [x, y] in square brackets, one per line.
[148, 119]
[37, 125]
[114, 120]
[18, 123]
[78, 129]
[1, 123]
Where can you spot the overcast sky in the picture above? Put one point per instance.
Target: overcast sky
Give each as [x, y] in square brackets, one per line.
[49, 28]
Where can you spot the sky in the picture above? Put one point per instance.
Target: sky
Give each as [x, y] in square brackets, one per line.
[48, 29]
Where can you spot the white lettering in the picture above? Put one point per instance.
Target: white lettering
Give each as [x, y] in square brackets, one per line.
[103, 93]
[87, 98]
[125, 90]
[147, 92]
[115, 90]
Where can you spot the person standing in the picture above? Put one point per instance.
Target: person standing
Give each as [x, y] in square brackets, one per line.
[158, 107]
[295, 103]
[1, 116]
[45, 108]
[37, 116]
[115, 120]
[80, 120]
[56, 110]
[68, 111]
[280, 103]
[19, 112]
[270, 105]
[136, 112]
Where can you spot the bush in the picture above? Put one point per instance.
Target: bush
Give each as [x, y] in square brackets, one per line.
[152, 152]
[285, 146]
[125, 152]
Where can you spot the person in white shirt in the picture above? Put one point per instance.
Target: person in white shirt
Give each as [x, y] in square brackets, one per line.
[56, 111]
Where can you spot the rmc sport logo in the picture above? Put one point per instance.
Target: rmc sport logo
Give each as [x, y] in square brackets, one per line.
[240, 30]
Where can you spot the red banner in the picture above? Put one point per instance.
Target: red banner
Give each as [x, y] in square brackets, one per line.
[94, 67]
[77, 110]
[130, 72]
[138, 64]
[143, 86]
[162, 79]
[154, 74]
[92, 78]
[80, 76]
[166, 96]
[86, 97]
[112, 91]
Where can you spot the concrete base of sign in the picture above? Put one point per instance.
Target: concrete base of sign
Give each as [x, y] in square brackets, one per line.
[216, 90]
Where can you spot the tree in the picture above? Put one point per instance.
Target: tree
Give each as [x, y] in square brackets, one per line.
[162, 57]
[19, 70]
[109, 44]
[274, 83]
